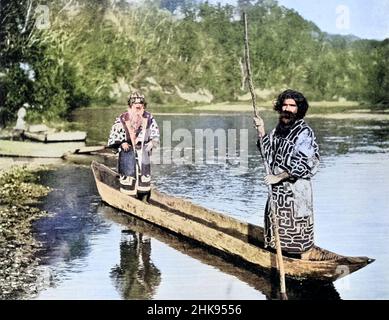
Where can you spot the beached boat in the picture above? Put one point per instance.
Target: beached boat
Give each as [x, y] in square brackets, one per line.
[63, 150]
[65, 136]
[224, 233]
[37, 150]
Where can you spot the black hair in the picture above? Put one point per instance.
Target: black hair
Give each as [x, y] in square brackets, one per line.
[298, 97]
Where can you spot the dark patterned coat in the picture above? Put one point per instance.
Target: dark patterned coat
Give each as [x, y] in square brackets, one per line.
[298, 155]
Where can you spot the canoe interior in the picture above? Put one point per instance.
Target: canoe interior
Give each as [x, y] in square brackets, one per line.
[249, 233]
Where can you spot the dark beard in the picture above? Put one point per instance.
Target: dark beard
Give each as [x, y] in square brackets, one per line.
[286, 121]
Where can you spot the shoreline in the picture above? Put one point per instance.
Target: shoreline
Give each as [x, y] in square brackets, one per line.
[361, 116]
[20, 192]
[6, 163]
[226, 104]
[268, 105]
[318, 109]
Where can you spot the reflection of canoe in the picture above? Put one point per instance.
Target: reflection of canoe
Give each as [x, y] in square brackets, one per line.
[222, 232]
[297, 290]
[37, 150]
[56, 136]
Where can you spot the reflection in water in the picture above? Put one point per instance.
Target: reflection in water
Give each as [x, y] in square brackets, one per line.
[66, 234]
[136, 277]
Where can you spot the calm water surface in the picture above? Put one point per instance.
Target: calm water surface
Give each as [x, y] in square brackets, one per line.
[92, 251]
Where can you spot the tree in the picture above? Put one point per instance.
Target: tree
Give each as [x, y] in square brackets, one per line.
[16, 55]
[378, 90]
[32, 69]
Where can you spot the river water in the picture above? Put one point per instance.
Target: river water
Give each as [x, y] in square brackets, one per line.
[92, 251]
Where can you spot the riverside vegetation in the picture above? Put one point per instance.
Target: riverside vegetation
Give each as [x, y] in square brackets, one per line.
[96, 51]
[19, 276]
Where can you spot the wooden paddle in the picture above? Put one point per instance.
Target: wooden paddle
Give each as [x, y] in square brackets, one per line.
[274, 219]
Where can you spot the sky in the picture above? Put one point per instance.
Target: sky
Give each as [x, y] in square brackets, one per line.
[367, 19]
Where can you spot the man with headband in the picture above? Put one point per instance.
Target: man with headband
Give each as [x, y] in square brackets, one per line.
[293, 156]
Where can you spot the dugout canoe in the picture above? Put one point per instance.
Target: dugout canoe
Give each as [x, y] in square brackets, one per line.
[36, 149]
[224, 233]
[68, 136]
[65, 150]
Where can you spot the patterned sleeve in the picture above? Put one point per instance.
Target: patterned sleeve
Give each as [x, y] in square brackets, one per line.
[117, 135]
[267, 147]
[305, 158]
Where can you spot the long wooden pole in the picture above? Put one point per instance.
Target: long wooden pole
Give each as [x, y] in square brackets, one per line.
[248, 66]
[274, 219]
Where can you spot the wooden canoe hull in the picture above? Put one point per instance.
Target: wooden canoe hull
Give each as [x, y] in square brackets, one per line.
[56, 136]
[37, 150]
[73, 151]
[222, 232]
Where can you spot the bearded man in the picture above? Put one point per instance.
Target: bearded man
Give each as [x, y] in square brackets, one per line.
[293, 156]
[135, 133]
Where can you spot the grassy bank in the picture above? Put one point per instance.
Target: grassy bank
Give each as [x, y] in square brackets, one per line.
[268, 105]
[19, 192]
[234, 106]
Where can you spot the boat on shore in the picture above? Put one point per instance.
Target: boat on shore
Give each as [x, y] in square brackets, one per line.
[223, 233]
[28, 149]
[65, 136]
[43, 133]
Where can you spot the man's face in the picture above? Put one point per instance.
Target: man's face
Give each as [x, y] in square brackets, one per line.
[138, 108]
[289, 110]
[289, 105]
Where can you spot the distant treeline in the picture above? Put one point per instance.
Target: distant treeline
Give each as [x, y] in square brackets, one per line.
[94, 50]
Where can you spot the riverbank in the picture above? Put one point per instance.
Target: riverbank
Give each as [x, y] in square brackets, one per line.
[19, 192]
[246, 106]
[228, 106]
[368, 116]
[334, 110]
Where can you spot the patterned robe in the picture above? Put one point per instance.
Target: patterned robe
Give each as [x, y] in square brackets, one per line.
[298, 155]
[134, 165]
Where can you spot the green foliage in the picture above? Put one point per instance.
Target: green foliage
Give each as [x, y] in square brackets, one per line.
[378, 76]
[18, 248]
[96, 46]
[32, 67]
[14, 49]
[17, 187]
